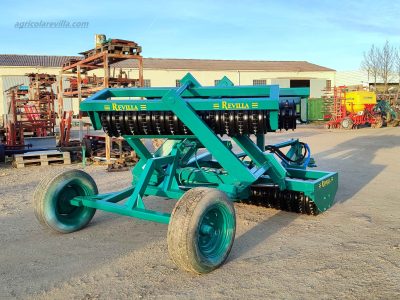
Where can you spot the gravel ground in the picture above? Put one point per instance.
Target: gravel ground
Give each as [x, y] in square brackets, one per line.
[351, 251]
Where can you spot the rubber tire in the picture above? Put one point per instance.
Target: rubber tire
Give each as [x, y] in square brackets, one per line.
[348, 122]
[45, 200]
[183, 229]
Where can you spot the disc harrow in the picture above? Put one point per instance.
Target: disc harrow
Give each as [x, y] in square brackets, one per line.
[194, 165]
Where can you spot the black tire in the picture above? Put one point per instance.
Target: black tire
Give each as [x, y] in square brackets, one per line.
[347, 123]
[201, 230]
[51, 200]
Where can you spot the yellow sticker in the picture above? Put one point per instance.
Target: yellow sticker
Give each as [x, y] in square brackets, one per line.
[325, 183]
[234, 105]
[125, 107]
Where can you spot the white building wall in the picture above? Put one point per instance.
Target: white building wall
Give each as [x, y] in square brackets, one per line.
[166, 78]
[359, 77]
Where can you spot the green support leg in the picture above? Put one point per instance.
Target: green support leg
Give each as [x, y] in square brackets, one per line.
[237, 171]
[268, 161]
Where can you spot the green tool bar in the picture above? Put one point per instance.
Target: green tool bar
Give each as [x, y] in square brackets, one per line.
[196, 92]
[294, 92]
[196, 104]
[140, 213]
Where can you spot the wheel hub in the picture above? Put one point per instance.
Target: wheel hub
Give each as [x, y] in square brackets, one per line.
[214, 230]
[64, 206]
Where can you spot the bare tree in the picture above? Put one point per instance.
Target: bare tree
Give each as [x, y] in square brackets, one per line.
[397, 70]
[397, 65]
[386, 62]
[371, 63]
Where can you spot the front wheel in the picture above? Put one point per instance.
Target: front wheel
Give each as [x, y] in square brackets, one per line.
[51, 200]
[347, 123]
[202, 230]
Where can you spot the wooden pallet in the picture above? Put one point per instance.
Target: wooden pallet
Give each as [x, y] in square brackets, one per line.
[41, 158]
[70, 62]
[114, 49]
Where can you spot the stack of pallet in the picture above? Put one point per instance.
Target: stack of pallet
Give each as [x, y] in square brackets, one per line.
[114, 46]
[81, 73]
[42, 158]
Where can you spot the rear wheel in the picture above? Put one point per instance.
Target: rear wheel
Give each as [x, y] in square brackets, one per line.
[52, 197]
[347, 123]
[202, 230]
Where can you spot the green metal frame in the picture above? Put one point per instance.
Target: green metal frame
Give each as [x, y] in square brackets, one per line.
[176, 166]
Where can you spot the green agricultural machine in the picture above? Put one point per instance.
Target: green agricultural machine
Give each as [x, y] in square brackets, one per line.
[214, 154]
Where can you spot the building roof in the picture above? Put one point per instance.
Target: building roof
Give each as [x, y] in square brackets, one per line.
[171, 63]
[17, 60]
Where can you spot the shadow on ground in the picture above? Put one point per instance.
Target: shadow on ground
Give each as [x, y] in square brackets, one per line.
[32, 257]
[353, 160]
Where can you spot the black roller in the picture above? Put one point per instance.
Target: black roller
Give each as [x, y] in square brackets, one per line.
[218, 123]
[272, 197]
[149, 124]
[112, 121]
[132, 122]
[287, 115]
[119, 123]
[141, 121]
[171, 124]
[229, 122]
[225, 123]
[104, 117]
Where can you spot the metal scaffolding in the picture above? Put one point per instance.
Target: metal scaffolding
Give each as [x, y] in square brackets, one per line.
[83, 82]
[31, 109]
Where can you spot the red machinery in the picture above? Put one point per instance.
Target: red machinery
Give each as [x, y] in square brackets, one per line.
[30, 111]
[344, 115]
[65, 127]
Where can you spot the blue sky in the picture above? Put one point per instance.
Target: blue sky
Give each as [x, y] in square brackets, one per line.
[330, 33]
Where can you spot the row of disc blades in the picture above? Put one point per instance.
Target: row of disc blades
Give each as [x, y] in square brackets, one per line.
[166, 123]
[229, 122]
[272, 197]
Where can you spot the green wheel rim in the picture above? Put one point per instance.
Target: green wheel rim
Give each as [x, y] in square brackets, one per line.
[64, 211]
[215, 232]
[58, 210]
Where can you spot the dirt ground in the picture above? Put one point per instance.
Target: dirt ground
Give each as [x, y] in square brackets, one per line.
[352, 251]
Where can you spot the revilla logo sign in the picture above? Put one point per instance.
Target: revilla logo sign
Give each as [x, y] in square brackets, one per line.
[125, 107]
[234, 105]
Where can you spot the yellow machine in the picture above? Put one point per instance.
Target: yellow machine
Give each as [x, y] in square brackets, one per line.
[356, 101]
